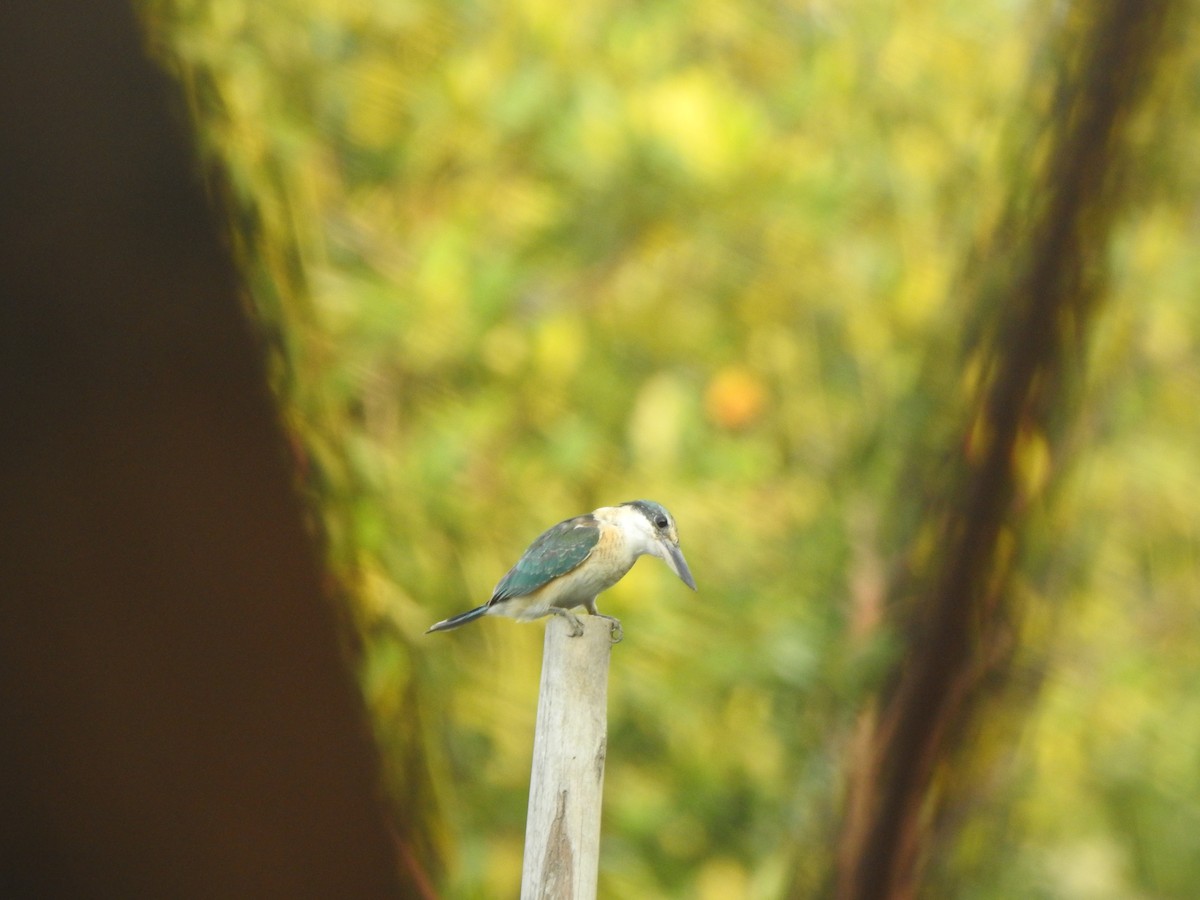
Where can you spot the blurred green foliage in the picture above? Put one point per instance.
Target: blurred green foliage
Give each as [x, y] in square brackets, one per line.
[519, 260]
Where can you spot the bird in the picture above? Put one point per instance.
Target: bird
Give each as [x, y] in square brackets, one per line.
[568, 565]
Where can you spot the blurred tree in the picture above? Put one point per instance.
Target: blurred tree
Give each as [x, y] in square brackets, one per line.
[952, 593]
[180, 719]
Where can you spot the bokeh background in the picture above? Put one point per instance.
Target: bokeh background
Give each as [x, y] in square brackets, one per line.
[515, 261]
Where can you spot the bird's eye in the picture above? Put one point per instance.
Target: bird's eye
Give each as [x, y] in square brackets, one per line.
[660, 522]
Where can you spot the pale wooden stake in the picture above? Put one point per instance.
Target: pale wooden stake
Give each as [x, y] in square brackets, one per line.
[562, 832]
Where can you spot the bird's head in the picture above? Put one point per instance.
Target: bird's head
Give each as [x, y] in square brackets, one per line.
[653, 528]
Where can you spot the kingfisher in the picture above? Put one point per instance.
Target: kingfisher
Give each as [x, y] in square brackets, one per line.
[571, 563]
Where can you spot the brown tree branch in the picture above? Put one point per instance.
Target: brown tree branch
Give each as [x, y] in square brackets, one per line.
[956, 596]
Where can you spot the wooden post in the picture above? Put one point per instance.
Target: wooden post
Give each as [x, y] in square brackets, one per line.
[562, 832]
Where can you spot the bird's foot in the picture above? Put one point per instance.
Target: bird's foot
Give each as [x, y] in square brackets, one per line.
[616, 634]
[572, 620]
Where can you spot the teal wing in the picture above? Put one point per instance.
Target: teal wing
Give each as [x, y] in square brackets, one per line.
[555, 553]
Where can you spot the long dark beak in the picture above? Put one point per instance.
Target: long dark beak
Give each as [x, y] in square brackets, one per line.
[679, 565]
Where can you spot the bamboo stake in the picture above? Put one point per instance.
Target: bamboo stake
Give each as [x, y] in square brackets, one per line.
[562, 832]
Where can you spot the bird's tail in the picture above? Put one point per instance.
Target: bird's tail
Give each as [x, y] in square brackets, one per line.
[461, 619]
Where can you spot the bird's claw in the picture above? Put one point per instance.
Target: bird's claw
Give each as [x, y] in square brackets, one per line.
[573, 623]
[616, 634]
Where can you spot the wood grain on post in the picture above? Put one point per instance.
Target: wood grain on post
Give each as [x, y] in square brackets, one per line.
[562, 832]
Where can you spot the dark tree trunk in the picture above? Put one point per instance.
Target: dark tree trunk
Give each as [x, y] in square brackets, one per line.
[179, 717]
